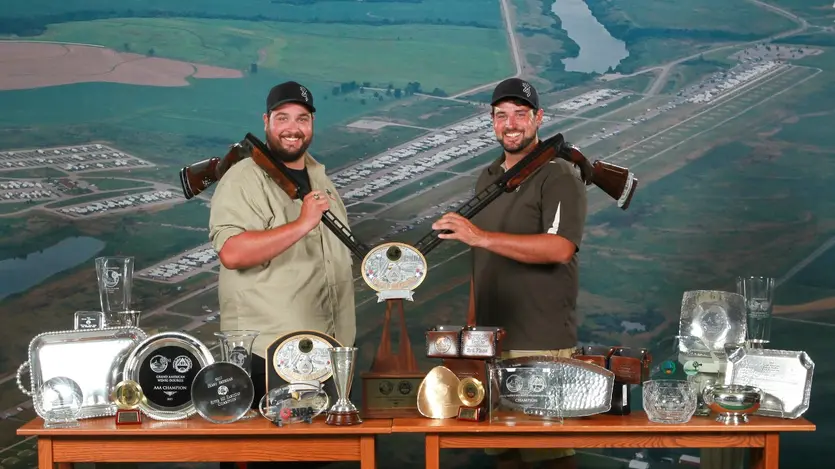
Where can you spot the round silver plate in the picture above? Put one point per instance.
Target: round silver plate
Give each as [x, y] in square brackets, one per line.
[165, 366]
[222, 392]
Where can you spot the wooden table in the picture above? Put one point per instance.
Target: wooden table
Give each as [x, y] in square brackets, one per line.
[196, 440]
[761, 434]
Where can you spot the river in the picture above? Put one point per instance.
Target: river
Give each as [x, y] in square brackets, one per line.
[599, 50]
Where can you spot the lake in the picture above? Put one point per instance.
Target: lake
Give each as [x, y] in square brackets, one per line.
[599, 50]
[22, 273]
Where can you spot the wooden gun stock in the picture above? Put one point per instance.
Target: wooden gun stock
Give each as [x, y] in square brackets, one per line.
[618, 182]
[199, 176]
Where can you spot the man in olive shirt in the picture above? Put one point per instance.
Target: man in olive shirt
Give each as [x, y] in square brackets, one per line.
[525, 244]
[282, 270]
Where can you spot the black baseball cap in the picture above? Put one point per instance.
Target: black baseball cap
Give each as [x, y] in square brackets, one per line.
[289, 92]
[516, 88]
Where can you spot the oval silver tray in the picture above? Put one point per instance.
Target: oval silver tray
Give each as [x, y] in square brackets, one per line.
[93, 358]
[133, 366]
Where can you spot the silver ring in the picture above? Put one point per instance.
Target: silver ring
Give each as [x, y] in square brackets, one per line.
[316, 196]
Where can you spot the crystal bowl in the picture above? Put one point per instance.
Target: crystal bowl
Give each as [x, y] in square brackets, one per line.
[669, 401]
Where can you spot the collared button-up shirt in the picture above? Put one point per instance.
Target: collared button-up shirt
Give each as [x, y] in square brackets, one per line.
[307, 287]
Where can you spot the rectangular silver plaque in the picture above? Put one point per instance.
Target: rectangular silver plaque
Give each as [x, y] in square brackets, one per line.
[715, 317]
[479, 342]
[785, 378]
[93, 358]
[89, 320]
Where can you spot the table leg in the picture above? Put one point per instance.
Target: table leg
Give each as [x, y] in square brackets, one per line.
[433, 451]
[45, 456]
[767, 457]
[368, 452]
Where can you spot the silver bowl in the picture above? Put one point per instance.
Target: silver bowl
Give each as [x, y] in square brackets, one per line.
[732, 402]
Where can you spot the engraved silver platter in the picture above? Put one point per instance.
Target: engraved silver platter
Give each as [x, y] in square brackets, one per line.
[550, 386]
[394, 270]
[93, 358]
[715, 317]
[785, 377]
[165, 365]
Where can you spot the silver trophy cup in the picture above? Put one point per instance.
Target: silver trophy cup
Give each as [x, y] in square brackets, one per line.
[343, 411]
[115, 279]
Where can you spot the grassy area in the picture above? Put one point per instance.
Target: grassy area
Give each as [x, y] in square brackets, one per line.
[94, 197]
[427, 112]
[331, 53]
[194, 213]
[194, 305]
[476, 162]
[738, 18]
[34, 173]
[691, 72]
[657, 32]
[332, 11]
[617, 104]
[418, 185]
[409, 209]
[109, 184]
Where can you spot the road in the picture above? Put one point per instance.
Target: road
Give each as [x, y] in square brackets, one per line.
[514, 48]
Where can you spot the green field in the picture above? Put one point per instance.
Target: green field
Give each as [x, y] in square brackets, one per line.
[699, 15]
[334, 11]
[660, 31]
[414, 187]
[329, 53]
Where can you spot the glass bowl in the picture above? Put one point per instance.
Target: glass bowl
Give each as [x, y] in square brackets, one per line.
[669, 401]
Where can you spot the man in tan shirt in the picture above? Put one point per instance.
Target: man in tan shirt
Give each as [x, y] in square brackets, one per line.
[282, 270]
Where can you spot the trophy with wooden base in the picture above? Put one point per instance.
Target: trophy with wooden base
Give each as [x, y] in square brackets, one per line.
[390, 388]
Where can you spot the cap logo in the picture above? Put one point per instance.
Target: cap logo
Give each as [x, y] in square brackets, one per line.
[526, 88]
[304, 93]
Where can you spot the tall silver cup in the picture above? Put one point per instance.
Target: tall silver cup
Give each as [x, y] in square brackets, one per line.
[115, 279]
[759, 300]
[343, 412]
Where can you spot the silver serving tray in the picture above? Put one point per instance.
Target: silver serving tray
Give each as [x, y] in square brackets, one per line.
[784, 376]
[133, 365]
[715, 317]
[93, 358]
[565, 386]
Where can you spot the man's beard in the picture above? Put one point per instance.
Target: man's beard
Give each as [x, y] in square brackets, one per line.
[515, 148]
[285, 155]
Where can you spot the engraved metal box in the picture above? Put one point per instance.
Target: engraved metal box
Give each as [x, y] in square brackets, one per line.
[443, 341]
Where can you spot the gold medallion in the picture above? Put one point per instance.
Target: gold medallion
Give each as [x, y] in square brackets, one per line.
[471, 392]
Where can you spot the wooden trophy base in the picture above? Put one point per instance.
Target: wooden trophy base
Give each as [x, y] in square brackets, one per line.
[128, 417]
[343, 419]
[390, 395]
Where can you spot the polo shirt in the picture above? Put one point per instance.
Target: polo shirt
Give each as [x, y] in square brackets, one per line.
[534, 303]
[307, 287]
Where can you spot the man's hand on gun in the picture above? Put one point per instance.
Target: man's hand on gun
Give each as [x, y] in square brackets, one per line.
[461, 229]
[313, 206]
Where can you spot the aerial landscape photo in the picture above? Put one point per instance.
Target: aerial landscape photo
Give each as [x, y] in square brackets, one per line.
[723, 110]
